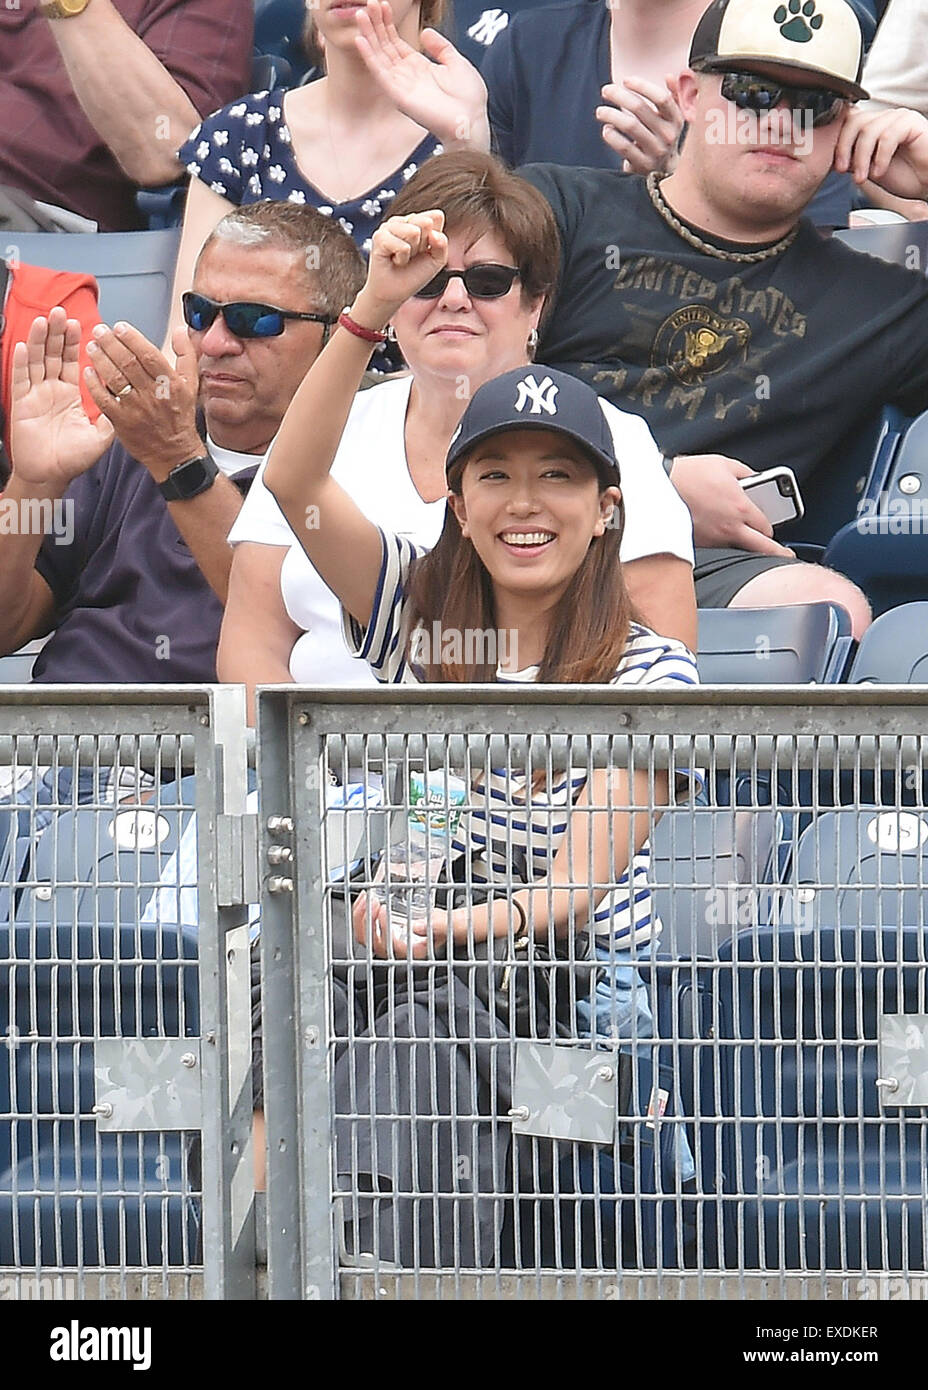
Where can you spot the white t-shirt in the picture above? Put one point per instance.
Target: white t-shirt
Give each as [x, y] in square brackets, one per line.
[896, 71]
[371, 466]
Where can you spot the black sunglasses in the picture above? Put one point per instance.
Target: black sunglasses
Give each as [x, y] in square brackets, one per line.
[753, 93]
[485, 281]
[244, 319]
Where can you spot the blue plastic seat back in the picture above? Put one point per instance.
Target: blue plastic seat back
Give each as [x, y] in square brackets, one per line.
[859, 866]
[798, 1015]
[894, 649]
[703, 861]
[99, 865]
[793, 645]
[902, 243]
[279, 34]
[135, 270]
[86, 1199]
[60, 988]
[882, 547]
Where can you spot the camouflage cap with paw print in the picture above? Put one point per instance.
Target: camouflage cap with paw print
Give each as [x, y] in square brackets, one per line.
[818, 40]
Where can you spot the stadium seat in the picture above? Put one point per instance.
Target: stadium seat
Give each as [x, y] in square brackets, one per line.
[700, 850]
[110, 1200]
[808, 1149]
[135, 270]
[860, 865]
[903, 243]
[854, 467]
[894, 649]
[883, 548]
[279, 34]
[269, 71]
[16, 669]
[698, 854]
[80, 962]
[60, 988]
[795, 645]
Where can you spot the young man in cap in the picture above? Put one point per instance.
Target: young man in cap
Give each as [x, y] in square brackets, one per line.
[701, 301]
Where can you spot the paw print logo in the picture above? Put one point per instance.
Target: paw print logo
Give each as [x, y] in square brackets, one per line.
[798, 20]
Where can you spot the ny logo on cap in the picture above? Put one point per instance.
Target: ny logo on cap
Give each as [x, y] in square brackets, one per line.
[541, 396]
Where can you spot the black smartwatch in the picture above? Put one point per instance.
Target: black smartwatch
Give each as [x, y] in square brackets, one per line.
[189, 479]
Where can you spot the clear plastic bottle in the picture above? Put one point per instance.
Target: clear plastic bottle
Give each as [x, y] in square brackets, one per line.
[413, 867]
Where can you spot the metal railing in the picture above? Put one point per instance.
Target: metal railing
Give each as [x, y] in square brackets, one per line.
[755, 1123]
[125, 1084]
[734, 1108]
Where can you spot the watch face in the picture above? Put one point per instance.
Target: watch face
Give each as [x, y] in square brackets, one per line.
[63, 9]
[189, 479]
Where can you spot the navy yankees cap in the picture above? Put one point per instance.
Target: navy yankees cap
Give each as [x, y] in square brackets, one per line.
[816, 38]
[538, 397]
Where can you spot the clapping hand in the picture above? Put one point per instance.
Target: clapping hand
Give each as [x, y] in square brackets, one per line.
[446, 96]
[151, 405]
[641, 122]
[52, 440]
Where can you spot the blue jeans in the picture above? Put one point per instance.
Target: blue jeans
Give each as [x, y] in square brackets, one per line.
[621, 1010]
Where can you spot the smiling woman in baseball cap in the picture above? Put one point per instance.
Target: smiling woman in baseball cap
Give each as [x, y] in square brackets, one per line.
[530, 544]
[529, 558]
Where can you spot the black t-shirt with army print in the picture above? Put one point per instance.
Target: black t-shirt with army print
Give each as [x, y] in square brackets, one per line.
[771, 362]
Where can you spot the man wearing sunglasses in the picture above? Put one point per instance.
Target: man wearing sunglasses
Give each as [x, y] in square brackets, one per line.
[702, 300]
[137, 594]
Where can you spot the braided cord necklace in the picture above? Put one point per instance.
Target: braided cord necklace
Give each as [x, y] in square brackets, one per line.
[745, 257]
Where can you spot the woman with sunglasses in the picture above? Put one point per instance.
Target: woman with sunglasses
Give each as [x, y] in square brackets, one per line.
[337, 144]
[477, 318]
[529, 551]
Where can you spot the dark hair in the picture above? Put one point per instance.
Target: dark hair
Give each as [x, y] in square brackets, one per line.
[477, 192]
[451, 586]
[334, 267]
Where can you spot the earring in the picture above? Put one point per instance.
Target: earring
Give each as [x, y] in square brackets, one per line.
[532, 343]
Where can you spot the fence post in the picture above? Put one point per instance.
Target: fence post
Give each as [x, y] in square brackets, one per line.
[279, 1001]
[228, 1151]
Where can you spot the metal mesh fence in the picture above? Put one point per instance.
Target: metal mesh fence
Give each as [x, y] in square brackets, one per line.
[461, 1102]
[115, 1075]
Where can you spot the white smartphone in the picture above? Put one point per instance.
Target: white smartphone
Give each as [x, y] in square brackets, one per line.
[777, 494]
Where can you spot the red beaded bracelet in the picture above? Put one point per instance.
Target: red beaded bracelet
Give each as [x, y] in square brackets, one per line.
[370, 335]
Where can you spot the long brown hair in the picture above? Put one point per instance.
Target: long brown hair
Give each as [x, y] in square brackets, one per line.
[450, 586]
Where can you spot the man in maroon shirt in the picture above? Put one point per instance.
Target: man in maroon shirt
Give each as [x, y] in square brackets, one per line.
[96, 95]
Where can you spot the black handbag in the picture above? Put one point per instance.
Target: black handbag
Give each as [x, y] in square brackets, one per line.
[530, 987]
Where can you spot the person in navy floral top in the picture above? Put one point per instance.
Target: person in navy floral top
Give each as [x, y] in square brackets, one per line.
[245, 153]
[339, 144]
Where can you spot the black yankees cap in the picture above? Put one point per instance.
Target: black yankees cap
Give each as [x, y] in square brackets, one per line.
[538, 397]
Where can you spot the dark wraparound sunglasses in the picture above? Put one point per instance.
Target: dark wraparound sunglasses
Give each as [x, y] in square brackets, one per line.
[243, 319]
[485, 281]
[753, 93]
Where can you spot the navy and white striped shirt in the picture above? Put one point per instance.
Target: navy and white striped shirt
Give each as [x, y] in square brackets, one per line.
[513, 832]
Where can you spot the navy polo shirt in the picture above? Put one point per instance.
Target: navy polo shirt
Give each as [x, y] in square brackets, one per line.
[132, 605]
